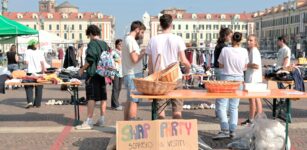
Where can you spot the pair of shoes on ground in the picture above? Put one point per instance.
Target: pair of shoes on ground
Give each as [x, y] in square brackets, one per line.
[119, 108]
[200, 106]
[86, 125]
[58, 102]
[224, 135]
[247, 122]
[29, 105]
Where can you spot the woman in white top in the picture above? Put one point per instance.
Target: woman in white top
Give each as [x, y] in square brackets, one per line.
[232, 62]
[253, 75]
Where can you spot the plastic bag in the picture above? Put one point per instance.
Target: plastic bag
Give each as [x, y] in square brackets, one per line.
[264, 134]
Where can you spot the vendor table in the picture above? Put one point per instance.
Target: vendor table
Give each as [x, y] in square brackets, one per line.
[74, 87]
[287, 94]
[278, 106]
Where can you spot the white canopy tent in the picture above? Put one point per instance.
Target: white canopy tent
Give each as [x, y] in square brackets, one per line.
[46, 41]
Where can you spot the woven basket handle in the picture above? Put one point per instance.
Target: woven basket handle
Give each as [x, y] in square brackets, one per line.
[154, 67]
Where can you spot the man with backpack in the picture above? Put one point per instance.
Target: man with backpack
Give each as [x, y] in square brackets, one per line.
[95, 84]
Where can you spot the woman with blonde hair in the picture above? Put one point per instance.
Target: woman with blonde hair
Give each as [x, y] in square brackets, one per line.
[253, 75]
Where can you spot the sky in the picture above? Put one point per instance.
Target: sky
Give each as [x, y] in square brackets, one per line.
[126, 11]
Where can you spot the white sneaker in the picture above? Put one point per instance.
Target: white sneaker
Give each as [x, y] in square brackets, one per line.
[99, 123]
[85, 126]
[29, 105]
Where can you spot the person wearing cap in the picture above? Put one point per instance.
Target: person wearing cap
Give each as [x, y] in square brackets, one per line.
[35, 65]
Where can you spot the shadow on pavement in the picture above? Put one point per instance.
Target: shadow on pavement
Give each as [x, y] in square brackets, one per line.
[92, 143]
[36, 117]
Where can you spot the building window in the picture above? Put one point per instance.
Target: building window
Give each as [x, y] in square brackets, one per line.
[187, 27]
[72, 27]
[35, 27]
[208, 27]
[215, 27]
[73, 36]
[201, 36]
[173, 27]
[187, 35]
[50, 27]
[42, 27]
[179, 27]
[80, 36]
[80, 27]
[214, 36]
[65, 27]
[58, 27]
[179, 34]
[65, 36]
[208, 36]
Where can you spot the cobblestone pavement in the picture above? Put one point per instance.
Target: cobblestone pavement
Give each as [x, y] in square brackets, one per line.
[50, 127]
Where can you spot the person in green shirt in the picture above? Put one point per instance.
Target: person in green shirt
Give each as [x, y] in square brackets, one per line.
[95, 84]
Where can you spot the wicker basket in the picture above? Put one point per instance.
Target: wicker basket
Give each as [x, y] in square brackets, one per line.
[149, 87]
[170, 73]
[222, 86]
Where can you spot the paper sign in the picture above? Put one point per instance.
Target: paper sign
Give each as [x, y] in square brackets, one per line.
[157, 135]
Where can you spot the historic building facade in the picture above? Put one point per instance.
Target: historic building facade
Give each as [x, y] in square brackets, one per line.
[200, 29]
[66, 21]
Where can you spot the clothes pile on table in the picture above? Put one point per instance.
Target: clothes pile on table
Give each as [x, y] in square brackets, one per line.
[69, 73]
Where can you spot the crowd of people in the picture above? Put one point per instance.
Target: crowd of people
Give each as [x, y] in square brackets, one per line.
[231, 62]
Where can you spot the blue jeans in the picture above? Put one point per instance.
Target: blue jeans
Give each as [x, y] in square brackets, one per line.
[231, 124]
[129, 84]
[12, 67]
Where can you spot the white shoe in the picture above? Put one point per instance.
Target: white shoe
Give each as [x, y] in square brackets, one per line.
[85, 126]
[99, 123]
[29, 105]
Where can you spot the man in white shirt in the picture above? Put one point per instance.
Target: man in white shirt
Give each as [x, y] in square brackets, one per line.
[171, 48]
[284, 53]
[132, 66]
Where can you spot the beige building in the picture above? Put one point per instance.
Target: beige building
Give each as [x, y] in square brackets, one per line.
[66, 21]
[200, 29]
[289, 18]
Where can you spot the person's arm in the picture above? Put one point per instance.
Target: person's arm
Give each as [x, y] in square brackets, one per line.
[220, 59]
[43, 66]
[253, 66]
[150, 65]
[16, 58]
[185, 62]
[137, 57]
[286, 62]
[84, 67]
[221, 65]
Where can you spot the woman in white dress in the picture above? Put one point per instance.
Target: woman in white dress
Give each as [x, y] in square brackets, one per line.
[253, 75]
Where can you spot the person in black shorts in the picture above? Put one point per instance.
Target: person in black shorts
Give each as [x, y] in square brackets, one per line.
[95, 84]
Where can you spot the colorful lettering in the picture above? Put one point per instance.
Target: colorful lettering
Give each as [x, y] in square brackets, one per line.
[174, 128]
[188, 126]
[127, 133]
